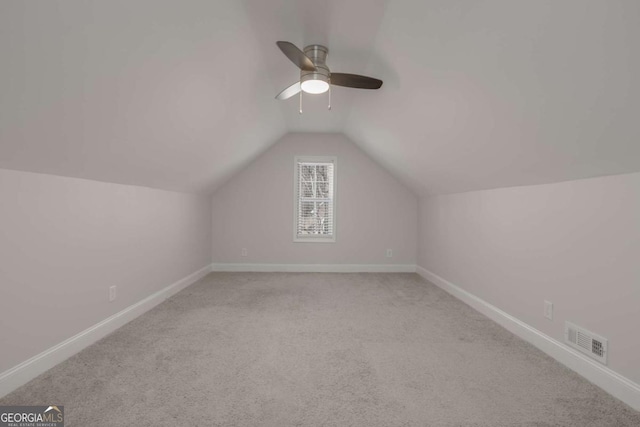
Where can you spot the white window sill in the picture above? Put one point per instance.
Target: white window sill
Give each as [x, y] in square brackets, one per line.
[314, 240]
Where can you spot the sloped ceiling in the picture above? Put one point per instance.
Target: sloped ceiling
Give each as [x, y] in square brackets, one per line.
[179, 95]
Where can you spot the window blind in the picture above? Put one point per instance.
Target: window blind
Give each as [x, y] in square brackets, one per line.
[315, 199]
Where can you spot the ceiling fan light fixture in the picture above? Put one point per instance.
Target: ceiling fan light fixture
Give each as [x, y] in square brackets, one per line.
[315, 82]
[314, 86]
[315, 76]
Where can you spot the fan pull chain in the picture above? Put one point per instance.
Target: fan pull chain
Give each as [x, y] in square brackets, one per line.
[329, 106]
[300, 102]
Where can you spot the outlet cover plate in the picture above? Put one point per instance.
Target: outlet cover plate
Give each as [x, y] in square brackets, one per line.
[548, 310]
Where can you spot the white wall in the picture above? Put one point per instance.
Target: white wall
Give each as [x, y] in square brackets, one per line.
[64, 241]
[576, 244]
[254, 210]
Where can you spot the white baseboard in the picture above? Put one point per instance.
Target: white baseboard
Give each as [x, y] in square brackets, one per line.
[607, 379]
[29, 369]
[318, 268]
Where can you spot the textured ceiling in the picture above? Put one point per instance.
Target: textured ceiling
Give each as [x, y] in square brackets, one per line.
[179, 95]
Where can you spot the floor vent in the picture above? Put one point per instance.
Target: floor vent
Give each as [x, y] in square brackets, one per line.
[587, 342]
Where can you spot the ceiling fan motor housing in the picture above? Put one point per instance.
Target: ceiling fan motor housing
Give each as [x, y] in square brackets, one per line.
[317, 54]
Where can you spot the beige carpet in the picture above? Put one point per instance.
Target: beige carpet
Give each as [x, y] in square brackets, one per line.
[294, 349]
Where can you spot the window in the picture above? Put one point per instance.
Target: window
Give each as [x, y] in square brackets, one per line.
[314, 199]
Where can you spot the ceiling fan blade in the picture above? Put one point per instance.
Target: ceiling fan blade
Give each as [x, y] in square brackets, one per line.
[289, 92]
[355, 80]
[296, 56]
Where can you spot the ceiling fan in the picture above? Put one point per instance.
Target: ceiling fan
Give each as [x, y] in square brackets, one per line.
[315, 76]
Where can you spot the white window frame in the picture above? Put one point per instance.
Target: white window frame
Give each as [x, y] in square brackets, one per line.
[313, 159]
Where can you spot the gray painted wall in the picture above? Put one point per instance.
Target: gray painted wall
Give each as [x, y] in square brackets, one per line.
[254, 210]
[575, 243]
[65, 241]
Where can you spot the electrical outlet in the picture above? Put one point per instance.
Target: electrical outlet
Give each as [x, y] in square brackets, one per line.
[548, 310]
[243, 252]
[389, 253]
[112, 293]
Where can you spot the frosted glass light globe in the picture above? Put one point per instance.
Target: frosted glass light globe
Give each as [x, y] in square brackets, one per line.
[314, 86]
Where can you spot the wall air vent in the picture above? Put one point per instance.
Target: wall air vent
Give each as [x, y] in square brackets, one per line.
[586, 342]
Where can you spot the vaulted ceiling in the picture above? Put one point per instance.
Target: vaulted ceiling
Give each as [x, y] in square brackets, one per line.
[179, 95]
